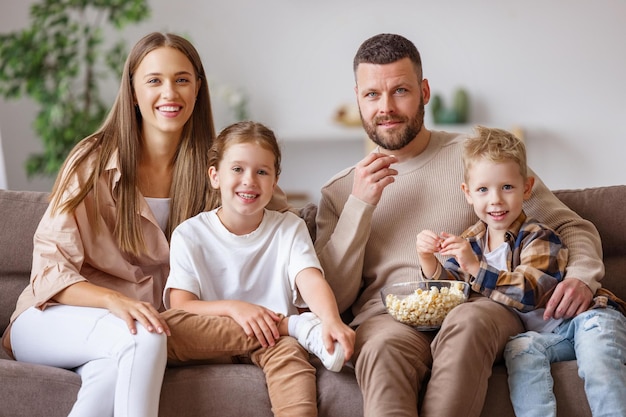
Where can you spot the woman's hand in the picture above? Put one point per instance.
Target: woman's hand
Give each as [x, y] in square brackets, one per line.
[86, 294]
[133, 311]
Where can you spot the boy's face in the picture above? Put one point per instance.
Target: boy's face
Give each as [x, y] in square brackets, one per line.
[497, 191]
[246, 179]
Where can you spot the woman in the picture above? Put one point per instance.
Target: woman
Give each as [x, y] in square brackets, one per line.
[101, 251]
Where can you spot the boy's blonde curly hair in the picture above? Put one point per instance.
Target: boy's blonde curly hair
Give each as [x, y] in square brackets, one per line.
[495, 145]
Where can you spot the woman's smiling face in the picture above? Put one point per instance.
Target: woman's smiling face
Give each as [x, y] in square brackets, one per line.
[165, 86]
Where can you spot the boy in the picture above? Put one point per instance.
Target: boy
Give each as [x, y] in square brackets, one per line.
[518, 262]
[505, 256]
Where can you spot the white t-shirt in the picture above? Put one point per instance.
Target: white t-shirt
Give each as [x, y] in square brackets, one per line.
[161, 209]
[215, 264]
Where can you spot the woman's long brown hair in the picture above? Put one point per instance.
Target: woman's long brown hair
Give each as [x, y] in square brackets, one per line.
[190, 191]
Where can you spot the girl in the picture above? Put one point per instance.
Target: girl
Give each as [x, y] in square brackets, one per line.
[250, 269]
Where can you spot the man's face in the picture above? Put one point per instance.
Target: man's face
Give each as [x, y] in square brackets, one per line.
[391, 102]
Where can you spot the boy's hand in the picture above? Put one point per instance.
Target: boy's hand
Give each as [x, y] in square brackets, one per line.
[462, 250]
[427, 242]
[257, 321]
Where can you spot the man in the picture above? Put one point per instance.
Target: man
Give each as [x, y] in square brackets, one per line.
[368, 219]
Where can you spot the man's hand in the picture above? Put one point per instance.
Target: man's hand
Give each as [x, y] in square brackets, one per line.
[570, 298]
[372, 174]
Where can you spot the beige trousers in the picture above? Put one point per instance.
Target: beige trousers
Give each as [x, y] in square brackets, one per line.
[393, 361]
[289, 375]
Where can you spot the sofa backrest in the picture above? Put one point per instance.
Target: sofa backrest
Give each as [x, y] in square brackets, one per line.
[20, 212]
[605, 207]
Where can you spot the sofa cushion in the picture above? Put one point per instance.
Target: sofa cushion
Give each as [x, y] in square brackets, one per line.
[21, 212]
[603, 206]
[337, 392]
[54, 390]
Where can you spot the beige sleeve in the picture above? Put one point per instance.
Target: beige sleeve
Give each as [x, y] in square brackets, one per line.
[342, 235]
[58, 254]
[580, 236]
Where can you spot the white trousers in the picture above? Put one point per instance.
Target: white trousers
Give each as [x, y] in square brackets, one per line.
[121, 373]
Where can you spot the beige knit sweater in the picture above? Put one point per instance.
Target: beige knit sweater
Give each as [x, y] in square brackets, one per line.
[362, 247]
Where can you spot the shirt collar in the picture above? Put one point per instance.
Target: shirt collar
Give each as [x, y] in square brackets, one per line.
[113, 164]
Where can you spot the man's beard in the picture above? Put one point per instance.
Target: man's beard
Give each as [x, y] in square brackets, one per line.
[396, 140]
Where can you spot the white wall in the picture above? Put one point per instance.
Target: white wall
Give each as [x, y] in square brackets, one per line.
[554, 68]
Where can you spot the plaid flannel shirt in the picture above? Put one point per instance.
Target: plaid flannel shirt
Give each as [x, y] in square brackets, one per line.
[535, 265]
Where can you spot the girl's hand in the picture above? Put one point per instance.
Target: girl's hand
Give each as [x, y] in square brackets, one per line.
[462, 250]
[133, 311]
[256, 321]
[336, 330]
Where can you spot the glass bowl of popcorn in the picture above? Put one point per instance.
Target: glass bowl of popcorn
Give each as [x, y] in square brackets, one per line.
[423, 304]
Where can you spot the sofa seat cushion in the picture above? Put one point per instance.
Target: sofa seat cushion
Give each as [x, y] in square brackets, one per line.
[21, 212]
[55, 390]
[236, 388]
[195, 390]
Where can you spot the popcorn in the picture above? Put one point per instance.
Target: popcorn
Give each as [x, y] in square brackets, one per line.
[425, 308]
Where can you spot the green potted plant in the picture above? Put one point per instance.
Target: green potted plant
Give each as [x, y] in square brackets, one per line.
[58, 62]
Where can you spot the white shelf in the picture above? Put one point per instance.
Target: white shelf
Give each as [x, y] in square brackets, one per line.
[356, 134]
[328, 133]
[334, 133]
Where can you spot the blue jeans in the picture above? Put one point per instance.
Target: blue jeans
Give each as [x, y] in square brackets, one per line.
[596, 339]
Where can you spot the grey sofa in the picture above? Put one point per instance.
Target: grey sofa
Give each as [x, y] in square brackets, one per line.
[239, 390]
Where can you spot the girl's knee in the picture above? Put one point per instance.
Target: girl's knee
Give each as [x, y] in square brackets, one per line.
[286, 346]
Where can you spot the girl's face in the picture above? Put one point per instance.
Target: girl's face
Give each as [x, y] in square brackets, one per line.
[246, 178]
[497, 191]
[165, 86]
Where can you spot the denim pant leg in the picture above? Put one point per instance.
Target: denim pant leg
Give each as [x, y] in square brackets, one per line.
[600, 341]
[528, 357]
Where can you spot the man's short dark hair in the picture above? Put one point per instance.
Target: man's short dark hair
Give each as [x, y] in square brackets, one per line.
[387, 48]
